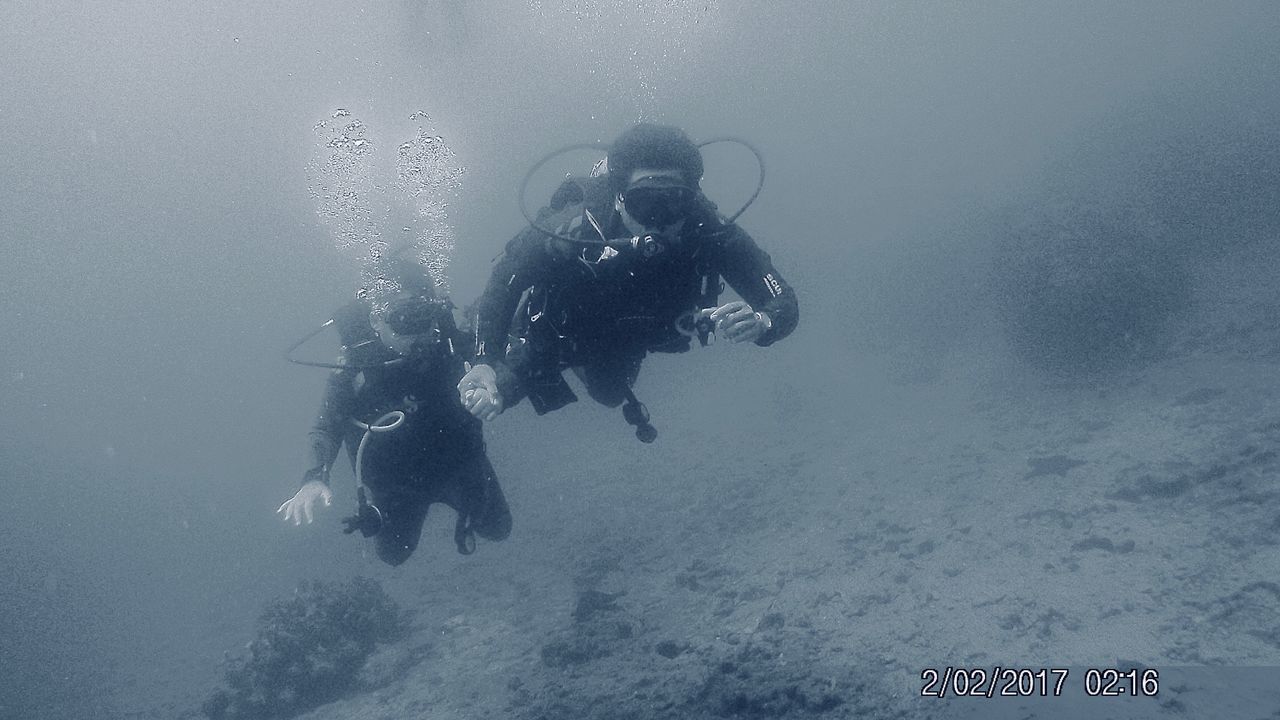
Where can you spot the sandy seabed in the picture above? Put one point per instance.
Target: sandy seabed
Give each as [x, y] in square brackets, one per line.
[1030, 524]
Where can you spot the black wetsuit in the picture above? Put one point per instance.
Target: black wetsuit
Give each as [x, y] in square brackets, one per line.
[601, 316]
[436, 455]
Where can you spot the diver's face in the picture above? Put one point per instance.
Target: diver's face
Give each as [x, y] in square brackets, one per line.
[654, 210]
[399, 344]
[402, 344]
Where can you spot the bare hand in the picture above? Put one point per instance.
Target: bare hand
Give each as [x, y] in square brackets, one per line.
[298, 507]
[738, 322]
[478, 391]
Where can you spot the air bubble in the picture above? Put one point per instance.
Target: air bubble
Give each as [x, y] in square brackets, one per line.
[341, 179]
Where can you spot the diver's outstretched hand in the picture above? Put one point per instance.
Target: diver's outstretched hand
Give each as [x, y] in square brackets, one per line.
[478, 391]
[298, 507]
[738, 322]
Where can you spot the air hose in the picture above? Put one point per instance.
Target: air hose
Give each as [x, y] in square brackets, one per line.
[380, 425]
[368, 518]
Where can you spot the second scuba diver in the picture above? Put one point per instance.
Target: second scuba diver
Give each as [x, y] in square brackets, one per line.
[392, 401]
[620, 264]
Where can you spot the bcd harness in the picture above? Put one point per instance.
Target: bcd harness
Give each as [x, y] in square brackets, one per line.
[626, 295]
[364, 351]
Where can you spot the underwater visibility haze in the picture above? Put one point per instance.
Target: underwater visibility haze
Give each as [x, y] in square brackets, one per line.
[1030, 417]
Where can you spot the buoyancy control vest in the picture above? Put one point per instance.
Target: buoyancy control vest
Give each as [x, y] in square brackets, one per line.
[617, 294]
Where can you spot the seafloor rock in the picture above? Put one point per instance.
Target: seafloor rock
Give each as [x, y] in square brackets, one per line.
[309, 650]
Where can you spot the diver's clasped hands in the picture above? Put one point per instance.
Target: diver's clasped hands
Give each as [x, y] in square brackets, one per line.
[478, 391]
[738, 322]
[298, 507]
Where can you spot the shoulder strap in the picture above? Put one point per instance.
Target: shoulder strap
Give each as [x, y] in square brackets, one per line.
[577, 206]
[448, 326]
[574, 196]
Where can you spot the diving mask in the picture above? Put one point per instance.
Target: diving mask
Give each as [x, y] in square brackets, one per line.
[656, 201]
[412, 316]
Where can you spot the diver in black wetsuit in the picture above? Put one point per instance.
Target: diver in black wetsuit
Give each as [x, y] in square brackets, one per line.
[620, 264]
[411, 442]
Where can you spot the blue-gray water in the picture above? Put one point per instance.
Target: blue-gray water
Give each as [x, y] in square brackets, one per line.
[159, 248]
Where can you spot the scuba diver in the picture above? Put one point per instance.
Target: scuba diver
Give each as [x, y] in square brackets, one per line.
[391, 399]
[620, 264]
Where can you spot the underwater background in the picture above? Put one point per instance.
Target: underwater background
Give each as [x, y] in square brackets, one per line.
[1030, 416]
